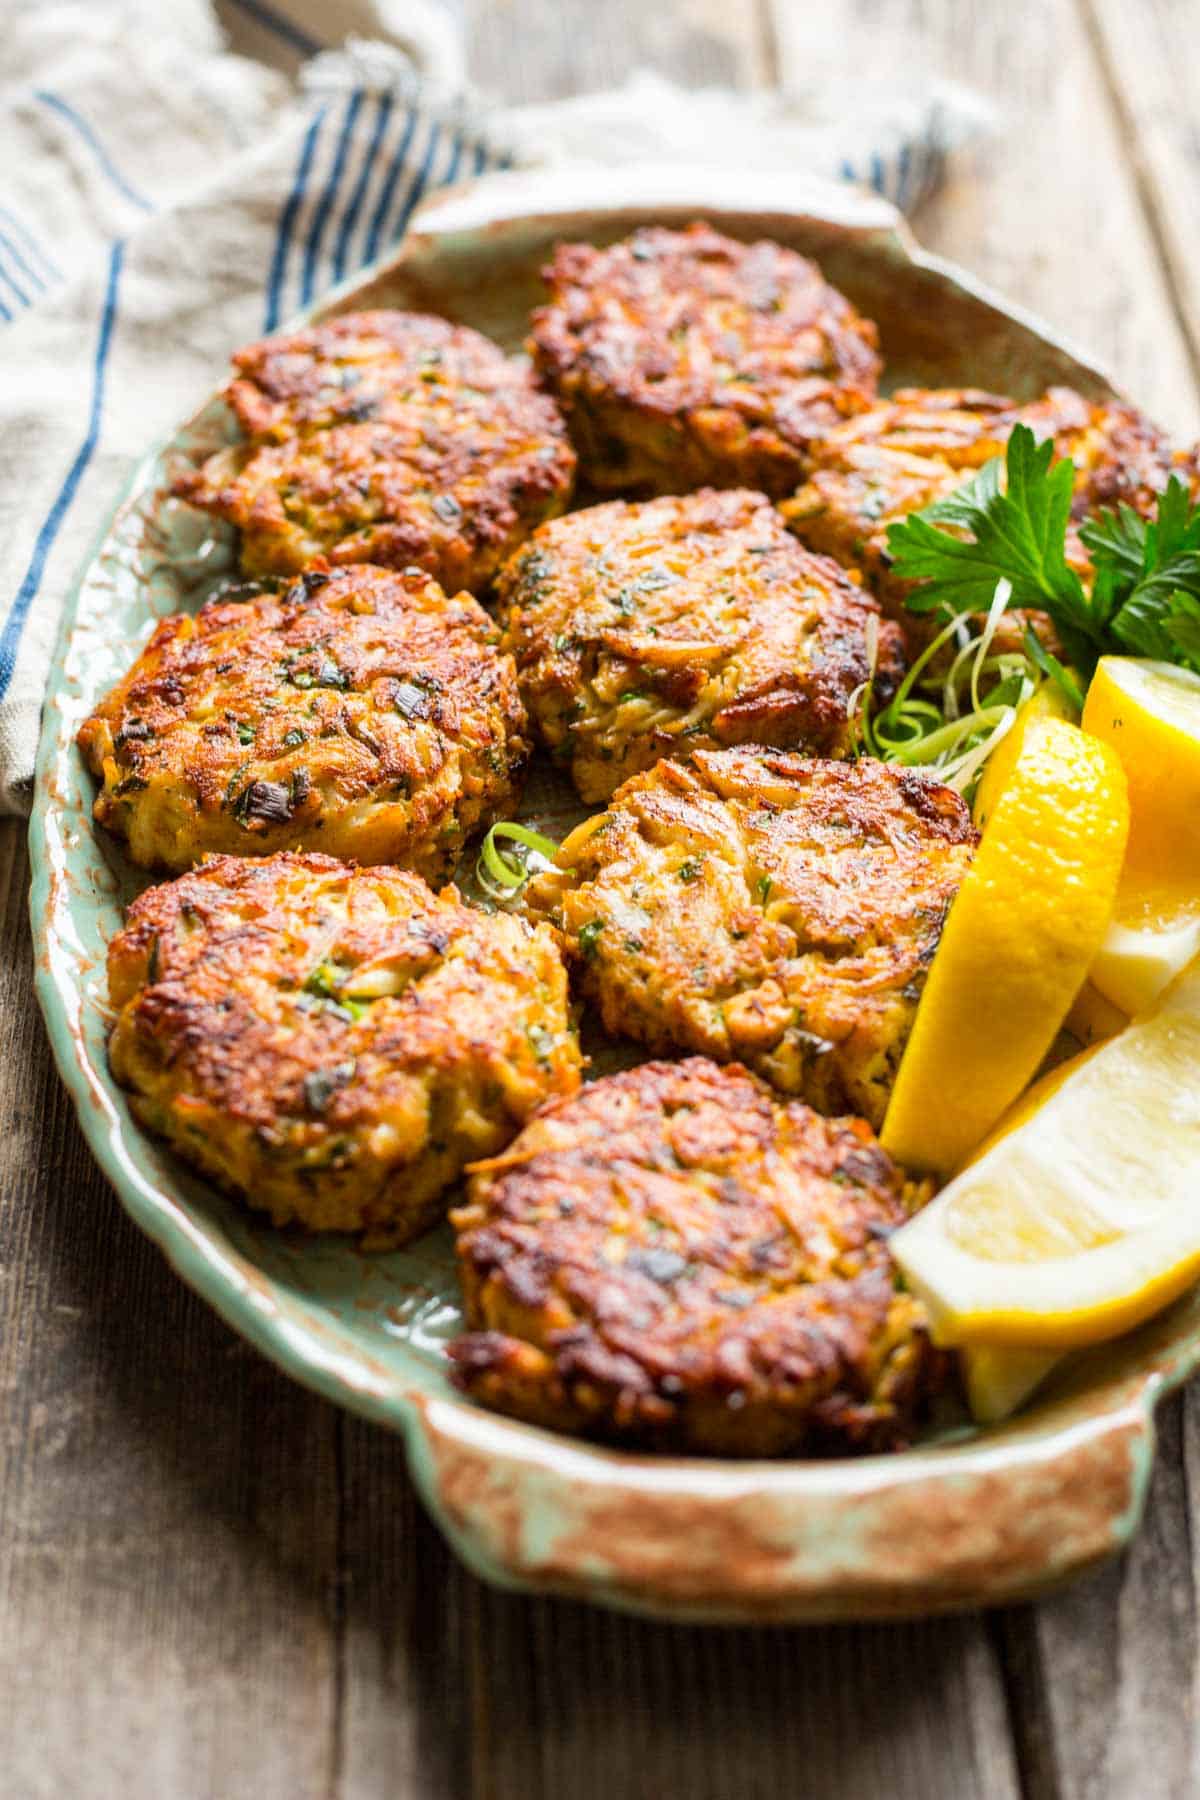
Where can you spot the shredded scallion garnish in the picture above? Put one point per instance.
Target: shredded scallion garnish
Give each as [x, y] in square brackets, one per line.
[503, 872]
[949, 715]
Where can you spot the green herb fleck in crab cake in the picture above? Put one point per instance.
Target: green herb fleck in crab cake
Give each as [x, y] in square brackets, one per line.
[675, 1260]
[758, 905]
[334, 1044]
[361, 711]
[683, 358]
[677, 624]
[386, 437]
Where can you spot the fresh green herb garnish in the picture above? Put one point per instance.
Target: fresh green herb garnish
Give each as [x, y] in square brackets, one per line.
[1147, 586]
[1146, 594]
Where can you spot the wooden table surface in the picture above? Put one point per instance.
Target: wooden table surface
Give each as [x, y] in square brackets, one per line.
[212, 1583]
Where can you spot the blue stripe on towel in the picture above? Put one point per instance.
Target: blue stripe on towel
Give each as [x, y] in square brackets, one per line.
[383, 202]
[418, 185]
[14, 252]
[10, 638]
[11, 281]
[354, 206]
[80, 124]
[20, 229]
[324, 206]
[287, 223]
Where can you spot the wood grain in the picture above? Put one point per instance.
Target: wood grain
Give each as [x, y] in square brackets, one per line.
[1149, 57]
[213, 1584]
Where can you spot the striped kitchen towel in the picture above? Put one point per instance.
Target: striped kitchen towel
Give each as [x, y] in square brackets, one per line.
[165, 198]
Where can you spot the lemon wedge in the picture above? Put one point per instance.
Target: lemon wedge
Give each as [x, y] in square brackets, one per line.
[1028, 920]
[1085, 1219]
[1137, 960]
[1150, 713]
[999, 1378]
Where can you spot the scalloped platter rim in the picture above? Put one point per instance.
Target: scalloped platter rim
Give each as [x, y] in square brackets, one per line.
[967, 1518]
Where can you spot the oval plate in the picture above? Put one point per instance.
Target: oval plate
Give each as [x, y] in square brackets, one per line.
[970, 1519]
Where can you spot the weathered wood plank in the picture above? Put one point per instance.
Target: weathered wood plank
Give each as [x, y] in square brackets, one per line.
[1149, 57]
[1050, 213]
[167, 1500]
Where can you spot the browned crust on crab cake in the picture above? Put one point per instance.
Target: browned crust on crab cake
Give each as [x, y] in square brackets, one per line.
[333, 1044]
[761, 906]
[386, 437]
[362, 711]
[684, 623]
[675, 1260]
[683, 358]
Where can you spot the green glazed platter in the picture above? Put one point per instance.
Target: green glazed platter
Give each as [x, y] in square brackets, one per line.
[968, 1517]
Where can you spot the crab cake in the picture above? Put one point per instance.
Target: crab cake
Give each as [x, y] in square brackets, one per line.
[386, 437]
[332, 1043]
[361, 709]
[683, 358]
[677, 624]
[919, 446]
[676, 1260]
[760, 906]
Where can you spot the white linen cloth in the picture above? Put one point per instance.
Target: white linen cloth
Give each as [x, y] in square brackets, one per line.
[163, 199]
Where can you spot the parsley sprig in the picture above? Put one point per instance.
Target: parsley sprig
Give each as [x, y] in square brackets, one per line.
[1144, 599]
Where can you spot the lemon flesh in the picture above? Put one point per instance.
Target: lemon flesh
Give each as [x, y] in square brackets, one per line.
[1028, 920]
[1085, 1219]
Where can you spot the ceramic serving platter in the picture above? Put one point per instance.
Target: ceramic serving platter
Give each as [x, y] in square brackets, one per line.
[966, 1518]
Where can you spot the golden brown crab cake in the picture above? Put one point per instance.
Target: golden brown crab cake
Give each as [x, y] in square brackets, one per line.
[662, 627]
[762, 906]
[676, 1260]
[334, 1044]
[360, 710]
[386, 437]
[683, 358]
